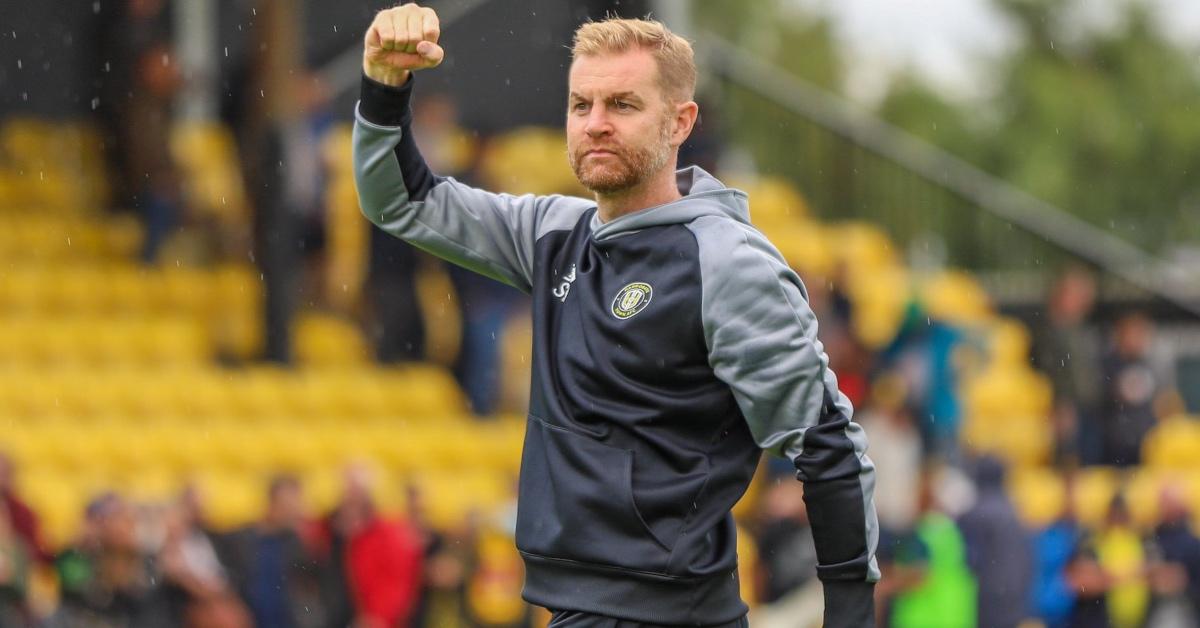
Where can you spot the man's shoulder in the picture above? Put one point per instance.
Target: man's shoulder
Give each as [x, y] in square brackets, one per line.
[724, 239]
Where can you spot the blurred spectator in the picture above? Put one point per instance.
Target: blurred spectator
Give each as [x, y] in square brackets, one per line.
[196, 586]
[896, 448]
[786, 552]
[273, 132]
[450, 559]
[1175, 578]
[1052, 592]
[934, 587]
[850, 360]
[270, 565]
[493, 589]
[20, 516]
[1089, 584]
[1067, 351]
[309, 183]
[106, 578]
[142, 92]
[787, 556]
[485, 305]
[393, 267]
[1121, 555]
[998, 549]
[922, 353]
[383, 557]
[15, 563]
[1134, 380]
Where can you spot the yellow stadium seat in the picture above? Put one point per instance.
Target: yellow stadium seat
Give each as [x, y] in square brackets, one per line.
[1038, 495]
[862, 247]
[208, 157]
[1093, 492]
[451, 497]
[1004, 390]
[805, 245]
[955, 297]
[529, 160]
[774, 201]
[1173, 444]
[233, 499]
[1023, 442]
[59, 502]
[329, 341]
[880, 298]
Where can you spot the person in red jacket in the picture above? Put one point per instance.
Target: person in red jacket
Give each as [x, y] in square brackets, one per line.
[383, 558]
[23, 519]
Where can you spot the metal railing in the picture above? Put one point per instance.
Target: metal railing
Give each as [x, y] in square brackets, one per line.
[852, 165]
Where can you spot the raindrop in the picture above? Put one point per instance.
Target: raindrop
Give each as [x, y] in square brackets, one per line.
[96, 6]
[20, 64]
[253, 11]
[165, 60]
[335, 28]
[226, 51]
[95, 103]
[107, 67]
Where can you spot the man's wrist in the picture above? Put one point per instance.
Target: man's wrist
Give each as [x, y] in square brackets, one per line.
[383, 104]
[386, 76]
[849, 604]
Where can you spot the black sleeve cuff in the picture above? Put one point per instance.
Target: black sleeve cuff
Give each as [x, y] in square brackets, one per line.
[849, 604]
[385, 105]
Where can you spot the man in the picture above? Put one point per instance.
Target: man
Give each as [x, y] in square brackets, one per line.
[671, 340]
[270, 565]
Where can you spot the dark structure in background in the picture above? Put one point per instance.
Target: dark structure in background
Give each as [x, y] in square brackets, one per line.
[506, 66]
[500, 67]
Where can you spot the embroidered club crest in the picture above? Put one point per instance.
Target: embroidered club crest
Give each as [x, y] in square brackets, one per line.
[632, 299]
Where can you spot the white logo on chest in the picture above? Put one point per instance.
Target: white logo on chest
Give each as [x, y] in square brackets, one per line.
[564, 288]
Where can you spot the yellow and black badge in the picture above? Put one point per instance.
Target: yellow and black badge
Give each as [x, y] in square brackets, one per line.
[632, 299]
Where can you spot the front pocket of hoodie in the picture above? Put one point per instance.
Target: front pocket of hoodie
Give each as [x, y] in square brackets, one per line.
[576, 503]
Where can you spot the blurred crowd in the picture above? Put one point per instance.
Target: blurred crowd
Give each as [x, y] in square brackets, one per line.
[954, 550]
[138, 564]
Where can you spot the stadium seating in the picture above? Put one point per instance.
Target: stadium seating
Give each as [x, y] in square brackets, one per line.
[110, 376]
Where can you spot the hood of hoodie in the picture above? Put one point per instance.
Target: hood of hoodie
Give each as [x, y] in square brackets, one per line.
[703, 195]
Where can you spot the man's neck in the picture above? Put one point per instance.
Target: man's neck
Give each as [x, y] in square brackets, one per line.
[653, 192]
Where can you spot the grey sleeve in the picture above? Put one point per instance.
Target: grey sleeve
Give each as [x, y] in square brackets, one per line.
[492, 234]
[762, 342]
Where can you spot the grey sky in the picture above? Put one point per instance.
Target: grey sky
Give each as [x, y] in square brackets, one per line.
[949, 41]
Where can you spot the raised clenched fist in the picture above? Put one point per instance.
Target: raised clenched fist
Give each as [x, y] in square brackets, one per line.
[401, 39]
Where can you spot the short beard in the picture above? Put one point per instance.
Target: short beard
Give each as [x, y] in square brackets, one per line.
[633, 166]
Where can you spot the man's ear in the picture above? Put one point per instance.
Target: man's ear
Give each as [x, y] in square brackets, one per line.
[686, 115]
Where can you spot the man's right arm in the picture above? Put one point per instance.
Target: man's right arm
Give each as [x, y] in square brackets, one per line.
[492, 234]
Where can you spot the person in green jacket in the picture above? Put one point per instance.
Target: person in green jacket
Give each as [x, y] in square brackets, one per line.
[945, 594]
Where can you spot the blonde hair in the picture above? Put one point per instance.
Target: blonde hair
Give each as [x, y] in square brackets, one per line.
[676, 61]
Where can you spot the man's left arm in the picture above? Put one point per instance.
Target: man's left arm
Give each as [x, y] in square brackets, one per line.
[762, 342]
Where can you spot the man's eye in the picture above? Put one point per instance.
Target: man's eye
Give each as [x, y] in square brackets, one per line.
[579, 106]
[623, 106]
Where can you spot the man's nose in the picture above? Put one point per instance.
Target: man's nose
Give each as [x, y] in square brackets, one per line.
[597, 123]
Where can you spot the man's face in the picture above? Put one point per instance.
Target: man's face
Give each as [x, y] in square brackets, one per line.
[620, 129]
